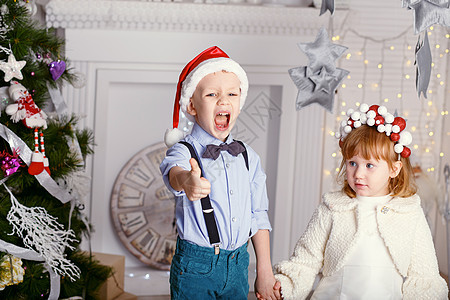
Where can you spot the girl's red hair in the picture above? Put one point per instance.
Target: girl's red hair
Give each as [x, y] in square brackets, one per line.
[367, 142]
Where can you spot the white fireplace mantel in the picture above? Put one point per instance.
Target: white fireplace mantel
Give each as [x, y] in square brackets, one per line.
[183, 17]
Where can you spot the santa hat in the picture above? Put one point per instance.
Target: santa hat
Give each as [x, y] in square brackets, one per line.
[209, 61]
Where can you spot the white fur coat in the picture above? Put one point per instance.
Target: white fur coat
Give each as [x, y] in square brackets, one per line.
[334, 229]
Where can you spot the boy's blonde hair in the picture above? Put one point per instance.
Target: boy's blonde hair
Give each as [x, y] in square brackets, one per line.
[367, 142]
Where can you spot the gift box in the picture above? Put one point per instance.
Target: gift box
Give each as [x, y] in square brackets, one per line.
[113, 287]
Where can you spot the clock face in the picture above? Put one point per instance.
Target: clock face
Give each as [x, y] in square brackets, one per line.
[142, 209]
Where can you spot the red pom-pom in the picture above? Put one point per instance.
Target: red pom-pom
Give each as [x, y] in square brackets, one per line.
[395, 136]
[379, 120]
[406, 152]
[341, 143]
[400, 122]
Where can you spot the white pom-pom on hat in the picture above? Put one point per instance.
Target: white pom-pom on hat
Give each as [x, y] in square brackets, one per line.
[209, 61]
[173, 136]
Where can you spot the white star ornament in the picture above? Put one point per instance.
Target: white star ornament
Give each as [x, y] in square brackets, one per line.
[12, 68]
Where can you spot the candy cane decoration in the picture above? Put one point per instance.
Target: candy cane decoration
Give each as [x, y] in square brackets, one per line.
[46, 163]
[37, 160]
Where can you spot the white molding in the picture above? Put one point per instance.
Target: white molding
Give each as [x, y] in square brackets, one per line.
[182, 17]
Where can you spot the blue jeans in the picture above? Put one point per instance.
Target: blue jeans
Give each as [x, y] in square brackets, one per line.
[197, 273]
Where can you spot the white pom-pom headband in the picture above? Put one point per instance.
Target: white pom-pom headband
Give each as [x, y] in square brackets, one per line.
[375, 115]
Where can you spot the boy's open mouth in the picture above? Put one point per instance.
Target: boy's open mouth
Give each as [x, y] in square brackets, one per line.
[222, 120]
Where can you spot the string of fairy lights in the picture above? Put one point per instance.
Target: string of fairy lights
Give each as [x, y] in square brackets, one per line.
[383, 72]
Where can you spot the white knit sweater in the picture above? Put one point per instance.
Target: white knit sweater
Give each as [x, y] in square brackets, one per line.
[335, 228]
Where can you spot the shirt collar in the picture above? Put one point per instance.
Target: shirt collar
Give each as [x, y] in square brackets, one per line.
[204, 138]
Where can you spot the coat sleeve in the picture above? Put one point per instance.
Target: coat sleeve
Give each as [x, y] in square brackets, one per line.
[297, 274]
[423, 280]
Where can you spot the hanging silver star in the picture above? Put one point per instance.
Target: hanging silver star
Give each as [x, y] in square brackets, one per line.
[441, 3]
[322, 80]
[423, 65]
[309, 92]
[327, 5]
[12, 68]
[427, 13]
[322, 53]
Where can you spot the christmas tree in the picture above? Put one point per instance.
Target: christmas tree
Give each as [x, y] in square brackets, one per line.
[42, 179]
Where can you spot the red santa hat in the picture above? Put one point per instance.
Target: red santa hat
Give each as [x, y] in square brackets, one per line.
[209, 61]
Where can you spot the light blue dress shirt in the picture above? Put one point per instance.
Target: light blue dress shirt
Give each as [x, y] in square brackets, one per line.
[238, 195]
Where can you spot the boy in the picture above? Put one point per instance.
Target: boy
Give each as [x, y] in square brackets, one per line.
[211, 259]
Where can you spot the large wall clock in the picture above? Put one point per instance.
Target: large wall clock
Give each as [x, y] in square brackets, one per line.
[142, 209]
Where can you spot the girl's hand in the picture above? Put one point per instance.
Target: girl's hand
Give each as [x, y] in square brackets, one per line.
[277, 290]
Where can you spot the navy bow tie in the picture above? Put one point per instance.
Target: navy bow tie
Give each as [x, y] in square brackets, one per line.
[213, 151]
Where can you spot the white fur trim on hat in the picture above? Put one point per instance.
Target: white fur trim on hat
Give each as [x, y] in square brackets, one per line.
[207, 67]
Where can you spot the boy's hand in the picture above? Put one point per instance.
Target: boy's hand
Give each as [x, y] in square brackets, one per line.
[267, 288]
[195, 186]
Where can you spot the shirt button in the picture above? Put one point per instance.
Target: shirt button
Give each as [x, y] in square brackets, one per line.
[227, 165]
[232, 246]
[231, 192]
[233, 219]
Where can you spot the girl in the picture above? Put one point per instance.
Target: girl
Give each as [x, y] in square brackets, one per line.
[370, 240]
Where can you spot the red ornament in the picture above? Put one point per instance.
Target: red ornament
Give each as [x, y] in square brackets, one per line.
[341, 143]
[406, 152]
[374, 108]
[400, 122]
[379, 120]
[395, 137]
